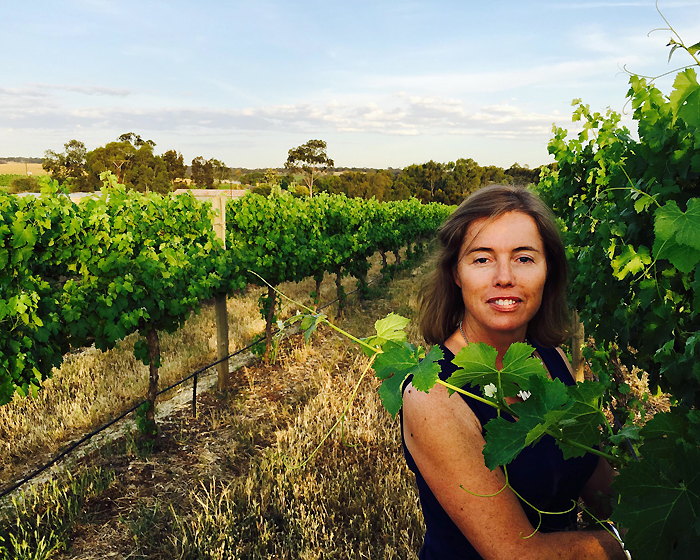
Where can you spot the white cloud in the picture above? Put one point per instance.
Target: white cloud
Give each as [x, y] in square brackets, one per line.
[397, 114]
[86, 90]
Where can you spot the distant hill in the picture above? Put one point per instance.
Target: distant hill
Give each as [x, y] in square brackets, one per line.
[21, 159]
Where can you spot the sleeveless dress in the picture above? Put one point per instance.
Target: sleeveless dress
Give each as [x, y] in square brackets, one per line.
[540, 474]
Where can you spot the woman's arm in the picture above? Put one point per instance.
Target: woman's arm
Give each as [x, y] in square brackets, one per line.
[596, 492]
[444, 437]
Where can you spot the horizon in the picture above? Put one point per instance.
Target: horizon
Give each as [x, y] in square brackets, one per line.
[385, 84]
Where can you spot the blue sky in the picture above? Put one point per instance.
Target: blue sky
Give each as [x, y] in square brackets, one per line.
[385, 83]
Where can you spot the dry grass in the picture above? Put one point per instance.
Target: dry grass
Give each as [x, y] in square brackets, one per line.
[354, 499]
[17, 168]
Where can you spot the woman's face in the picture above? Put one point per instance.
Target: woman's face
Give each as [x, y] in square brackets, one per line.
[501, 271]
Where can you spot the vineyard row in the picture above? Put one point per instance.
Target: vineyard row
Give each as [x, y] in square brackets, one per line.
[77, 274]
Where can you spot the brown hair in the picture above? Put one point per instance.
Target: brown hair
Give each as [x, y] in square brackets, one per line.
[442, 305]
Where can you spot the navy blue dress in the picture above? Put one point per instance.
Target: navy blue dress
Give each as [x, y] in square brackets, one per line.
[540, 474]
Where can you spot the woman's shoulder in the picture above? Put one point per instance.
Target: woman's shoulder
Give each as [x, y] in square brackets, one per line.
[556, 361]
[447, 368]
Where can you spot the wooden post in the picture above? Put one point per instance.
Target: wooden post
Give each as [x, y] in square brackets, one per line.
[219, 204]
[153, 364]
[272, 302]
[577, 341]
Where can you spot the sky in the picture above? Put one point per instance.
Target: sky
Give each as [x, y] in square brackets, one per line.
[384, 83]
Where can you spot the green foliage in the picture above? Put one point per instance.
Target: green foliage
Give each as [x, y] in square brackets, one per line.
[135, 247]
[203, 172]
[7, 178]
[36, 251]
[630, 212]
[477, 363]
[68, 165]
[285, 239]
[175, 165]
[311, 159]
[38, 526]
[24, 183]
[94, 272]
[144, 426]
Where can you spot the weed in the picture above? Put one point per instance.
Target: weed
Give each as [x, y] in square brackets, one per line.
[39, 522]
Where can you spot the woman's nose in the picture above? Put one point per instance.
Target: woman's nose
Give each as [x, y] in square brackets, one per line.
[504, 275]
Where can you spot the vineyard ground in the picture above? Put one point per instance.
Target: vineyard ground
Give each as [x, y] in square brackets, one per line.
[220, 476]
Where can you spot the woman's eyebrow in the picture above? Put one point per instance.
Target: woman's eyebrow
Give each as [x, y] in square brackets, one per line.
[490, 249]
[525, 248]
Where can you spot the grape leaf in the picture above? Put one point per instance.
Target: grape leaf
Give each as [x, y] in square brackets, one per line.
[548, 401]
[505, 440]
[660, 504]
[685, 98]
[478, 367]
[310, 323]
[391, 328]
[683, 257]
[662, 433]
[670, 221]
[582, 418]
[630, 261]
[628, 432]
[396, 358]
[426, 374]
[399, 360]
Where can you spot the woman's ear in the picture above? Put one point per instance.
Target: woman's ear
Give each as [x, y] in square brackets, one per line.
[455, 277]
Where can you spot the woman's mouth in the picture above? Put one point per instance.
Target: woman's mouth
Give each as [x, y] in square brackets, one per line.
[504, 303]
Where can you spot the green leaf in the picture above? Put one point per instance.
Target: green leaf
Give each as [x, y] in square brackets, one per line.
[391, 328]
[683, 257]
[582, 419]
[478, 367]
[427, 372]
[659, 510]
[505, 440]
[628, 432]
[670, 222]
[399, 360]
[630, 261]
[310, 323]
[685, 98]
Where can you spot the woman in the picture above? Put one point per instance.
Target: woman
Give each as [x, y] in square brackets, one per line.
[501, 278]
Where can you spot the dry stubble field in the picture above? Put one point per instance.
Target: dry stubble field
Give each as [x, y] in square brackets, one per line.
[17, 168]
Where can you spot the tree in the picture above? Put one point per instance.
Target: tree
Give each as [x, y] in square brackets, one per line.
[433, 174]
[203, 172]
[136, 140]
[175, 164]
[68, 166]
[132, 159]
[271, 177]
[220, 170]
[464, 178]
[493, 174]
[311, 159]
[523, 175]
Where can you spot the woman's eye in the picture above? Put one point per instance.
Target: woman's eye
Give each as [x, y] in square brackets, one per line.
[481, 260]
[524, 259]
